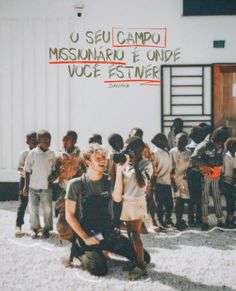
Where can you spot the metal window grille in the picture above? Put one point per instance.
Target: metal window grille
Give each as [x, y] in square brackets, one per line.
[186, 92]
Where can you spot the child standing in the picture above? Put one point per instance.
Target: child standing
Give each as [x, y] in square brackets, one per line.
[131, 181]
[68, 163]
[31, 141]
[163, 192]
[229, 181]
[180, 158]
[176, 128]
[38, 167]
[208, 158]
[149, 155]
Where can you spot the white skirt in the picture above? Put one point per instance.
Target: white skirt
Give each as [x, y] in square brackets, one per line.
[134, 209]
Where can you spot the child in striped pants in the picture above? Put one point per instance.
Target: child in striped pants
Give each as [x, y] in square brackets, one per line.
[208, 158]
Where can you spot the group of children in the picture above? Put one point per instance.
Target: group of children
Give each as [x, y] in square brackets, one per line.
[196, 166]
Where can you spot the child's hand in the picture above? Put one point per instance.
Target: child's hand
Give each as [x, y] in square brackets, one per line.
[121, 167]
[206, 170]
[21, 171]
[176, 194]
[25, 191]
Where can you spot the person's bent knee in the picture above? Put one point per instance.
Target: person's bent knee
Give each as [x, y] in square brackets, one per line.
[95, 263]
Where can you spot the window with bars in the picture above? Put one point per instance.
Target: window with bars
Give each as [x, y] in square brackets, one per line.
[186, 92]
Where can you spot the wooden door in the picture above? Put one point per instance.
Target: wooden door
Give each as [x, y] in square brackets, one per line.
[224, 101]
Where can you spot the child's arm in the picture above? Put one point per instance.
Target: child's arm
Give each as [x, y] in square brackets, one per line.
[55, 171]
[28, 170]
[173, 183]
[26, 187]
[21, 162]
[119, 183]
[196, 157]
[172, 174]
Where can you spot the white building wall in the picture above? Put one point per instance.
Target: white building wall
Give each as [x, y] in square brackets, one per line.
[35, 95]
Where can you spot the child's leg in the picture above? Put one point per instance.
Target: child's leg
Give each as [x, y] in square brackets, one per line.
[198, 211]
[168, 203]
[151, 206]
[191, 205]
[179, 209]
[180, 224]
[117, 207]
[187, 201]
[123, 246]
[205, 199]
[46, 200]
[199, 202]
[159, 195]
[216, 198]
[23, 202]
[230, 200]
[135, 228]
[190, 179]
[34, 198]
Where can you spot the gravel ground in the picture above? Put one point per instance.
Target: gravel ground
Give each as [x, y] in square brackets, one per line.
[189, 260]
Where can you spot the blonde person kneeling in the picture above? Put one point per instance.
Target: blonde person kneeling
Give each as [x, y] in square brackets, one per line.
[130, 186]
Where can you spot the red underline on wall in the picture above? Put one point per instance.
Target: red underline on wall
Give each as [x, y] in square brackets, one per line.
[143, 81]
[86, 62]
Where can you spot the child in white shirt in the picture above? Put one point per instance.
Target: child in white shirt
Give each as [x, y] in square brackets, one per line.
[38, 167]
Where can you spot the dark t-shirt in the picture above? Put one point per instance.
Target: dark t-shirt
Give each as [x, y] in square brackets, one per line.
[206, 154]
[74, 189]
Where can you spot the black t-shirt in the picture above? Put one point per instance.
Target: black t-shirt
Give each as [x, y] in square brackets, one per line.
[75, 189]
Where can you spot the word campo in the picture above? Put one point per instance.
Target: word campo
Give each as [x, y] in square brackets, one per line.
[124, 37]
[152, 37]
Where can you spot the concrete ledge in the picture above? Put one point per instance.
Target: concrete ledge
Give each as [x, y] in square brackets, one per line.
[9, 191]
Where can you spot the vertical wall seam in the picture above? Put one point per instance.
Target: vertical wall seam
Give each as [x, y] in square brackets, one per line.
[11, 97]
[58, 83]
[69, 80]
[34, 76]
[45, 72]
[23, 75]
[1, 133]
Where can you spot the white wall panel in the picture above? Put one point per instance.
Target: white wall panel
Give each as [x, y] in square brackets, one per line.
[63, 86]
[29, 63]
[40, 73]
[17, 101]
[6, 95]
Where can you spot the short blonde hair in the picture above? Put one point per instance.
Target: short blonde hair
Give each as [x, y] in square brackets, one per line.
[92, 148]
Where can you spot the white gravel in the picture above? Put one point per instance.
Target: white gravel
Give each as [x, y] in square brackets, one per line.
[189, 260]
